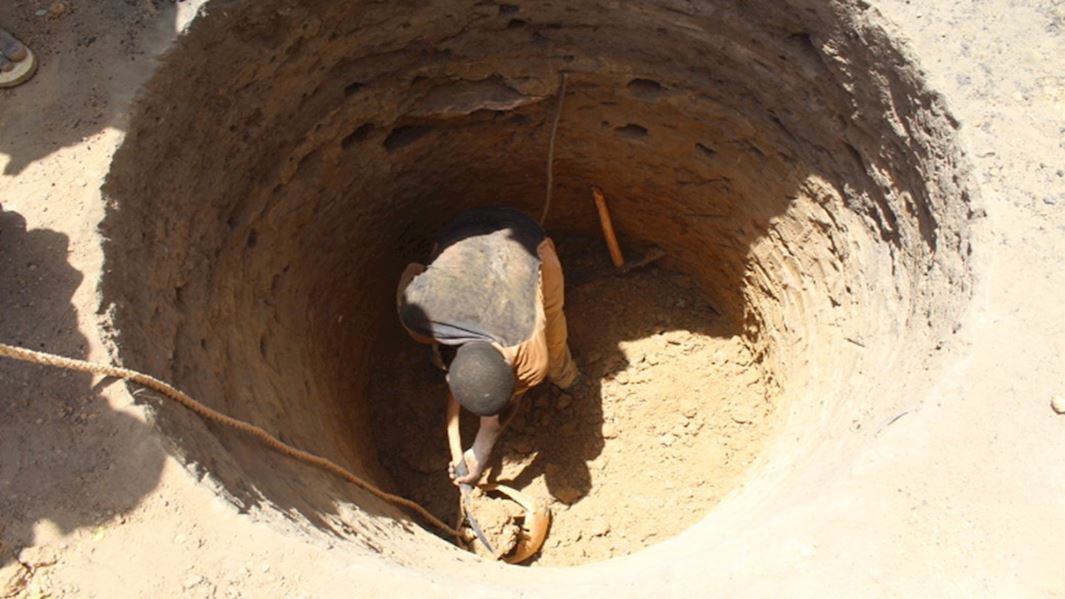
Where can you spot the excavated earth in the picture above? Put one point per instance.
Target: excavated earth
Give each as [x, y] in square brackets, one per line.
[285, 162]
[795, 167]
[839, 380]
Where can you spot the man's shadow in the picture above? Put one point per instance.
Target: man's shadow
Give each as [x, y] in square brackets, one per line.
[565, 428]
[67, 460]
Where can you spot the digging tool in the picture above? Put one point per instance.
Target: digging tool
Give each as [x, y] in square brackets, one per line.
[612, 241]
[537, 517]
[467, 489]
[454, 439]
[534, 525]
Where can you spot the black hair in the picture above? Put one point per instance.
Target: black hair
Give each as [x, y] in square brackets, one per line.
[480, 379]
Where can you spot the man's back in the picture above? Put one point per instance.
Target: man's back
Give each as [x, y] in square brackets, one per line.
[483, 282]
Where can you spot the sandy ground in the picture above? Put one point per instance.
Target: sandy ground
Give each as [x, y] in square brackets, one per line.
[963, 497]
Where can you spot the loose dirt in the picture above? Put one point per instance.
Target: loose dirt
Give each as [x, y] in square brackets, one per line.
[671, 410]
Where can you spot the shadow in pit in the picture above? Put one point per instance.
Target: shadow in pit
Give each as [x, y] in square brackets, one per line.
[67, 460]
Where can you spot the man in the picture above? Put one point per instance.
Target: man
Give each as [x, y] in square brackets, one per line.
[490, 302]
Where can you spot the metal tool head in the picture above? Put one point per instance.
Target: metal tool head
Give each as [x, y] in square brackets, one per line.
[466, 489]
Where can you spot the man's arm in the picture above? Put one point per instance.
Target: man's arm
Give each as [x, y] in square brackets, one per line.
[476, 457]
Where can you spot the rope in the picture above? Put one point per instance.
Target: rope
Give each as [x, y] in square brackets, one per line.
[46, 359]
[551, 147]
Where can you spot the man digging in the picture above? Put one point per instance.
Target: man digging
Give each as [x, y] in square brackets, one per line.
[490, 302]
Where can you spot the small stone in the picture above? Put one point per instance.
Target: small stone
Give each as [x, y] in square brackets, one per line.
[742, 414]
[38, 556]
[667, 439]
[192, 581]
[57, 9]
[598, 527]
[1058, 404]
[610, 431]
[1050, 200]
[40, 13]
[567, 494]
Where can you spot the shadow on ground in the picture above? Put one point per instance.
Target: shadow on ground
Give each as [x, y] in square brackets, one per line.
[67, 460]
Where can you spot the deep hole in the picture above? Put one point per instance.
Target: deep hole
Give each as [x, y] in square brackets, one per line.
[705, 150]
[648, 89]
[631, 131]
[814, 258]
[401, 137]
[359, 134]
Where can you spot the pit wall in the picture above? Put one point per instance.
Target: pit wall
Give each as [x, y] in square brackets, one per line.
[286, 162]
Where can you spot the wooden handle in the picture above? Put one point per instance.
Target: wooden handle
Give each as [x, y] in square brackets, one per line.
[608, 228]
[454, 437]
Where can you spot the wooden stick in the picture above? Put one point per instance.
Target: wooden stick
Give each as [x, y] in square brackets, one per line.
[608, 228]
[454, 438]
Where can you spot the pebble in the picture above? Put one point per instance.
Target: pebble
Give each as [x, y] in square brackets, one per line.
[667, 439]
[38, 556]
[599, 527]
[610, 431]
[1058, 404]
[567, 494]
[742, 414]
[192, 581]
[40, 13]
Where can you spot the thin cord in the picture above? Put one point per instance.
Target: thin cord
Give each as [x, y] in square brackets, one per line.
[551, 147]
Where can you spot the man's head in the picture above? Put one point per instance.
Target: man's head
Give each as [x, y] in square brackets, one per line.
[480, 379]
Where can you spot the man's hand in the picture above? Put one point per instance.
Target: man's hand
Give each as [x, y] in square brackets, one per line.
[474, 467]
